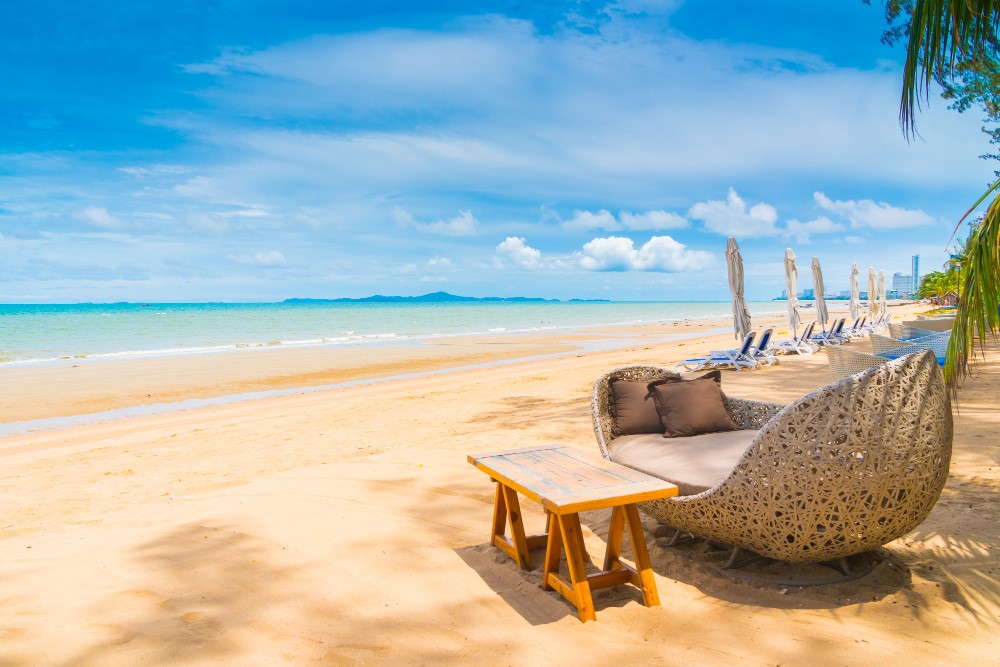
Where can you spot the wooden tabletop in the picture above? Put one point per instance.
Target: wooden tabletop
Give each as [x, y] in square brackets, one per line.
[565, 482]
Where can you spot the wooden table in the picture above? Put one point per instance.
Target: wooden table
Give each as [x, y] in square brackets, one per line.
[565, 484]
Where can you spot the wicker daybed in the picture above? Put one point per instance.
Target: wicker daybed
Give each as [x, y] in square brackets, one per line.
[842, 470]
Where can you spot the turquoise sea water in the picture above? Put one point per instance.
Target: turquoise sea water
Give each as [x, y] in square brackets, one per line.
[50, 333]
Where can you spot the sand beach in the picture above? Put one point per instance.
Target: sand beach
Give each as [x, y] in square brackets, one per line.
[344, 526]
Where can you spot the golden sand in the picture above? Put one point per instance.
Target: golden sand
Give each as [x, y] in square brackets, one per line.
[344, 526]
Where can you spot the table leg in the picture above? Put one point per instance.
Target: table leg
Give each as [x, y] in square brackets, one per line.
[616, 533]
[507, 509]
[642, 564]
[572, 534]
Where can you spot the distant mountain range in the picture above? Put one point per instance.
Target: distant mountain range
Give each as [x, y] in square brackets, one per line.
[437, 297]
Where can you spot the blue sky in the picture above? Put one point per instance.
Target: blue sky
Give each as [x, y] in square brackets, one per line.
[258, 150]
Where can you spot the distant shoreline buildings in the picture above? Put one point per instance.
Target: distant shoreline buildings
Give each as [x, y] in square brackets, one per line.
[903, 287]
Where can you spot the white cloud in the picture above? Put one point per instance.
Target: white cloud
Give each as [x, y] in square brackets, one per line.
[583, 220]
[652, 220]
[605, 220]
[867, 213]
[464, 224]
[245, 213]
[731, 217]
[439, 263]
[660, 253]
[99, 216]
[802, 231]
[269, 260]
[516, 251]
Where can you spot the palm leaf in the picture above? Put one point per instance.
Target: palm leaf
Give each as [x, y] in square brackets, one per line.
[940, 32]
[978, 311]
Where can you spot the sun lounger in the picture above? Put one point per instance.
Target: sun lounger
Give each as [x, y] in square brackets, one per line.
[858, 330]
[799, 344]
[831, 337]
[738, 358]
[763, 353]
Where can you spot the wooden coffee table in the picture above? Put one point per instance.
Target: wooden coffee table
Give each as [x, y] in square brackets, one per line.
[565, 484]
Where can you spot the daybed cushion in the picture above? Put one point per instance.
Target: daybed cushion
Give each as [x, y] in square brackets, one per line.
[694, 464]
[631, 411]
[691, 408]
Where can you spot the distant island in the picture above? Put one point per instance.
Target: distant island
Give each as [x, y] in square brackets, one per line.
[440, 297]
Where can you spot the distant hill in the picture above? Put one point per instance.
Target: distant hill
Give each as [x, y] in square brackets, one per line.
[434, 297]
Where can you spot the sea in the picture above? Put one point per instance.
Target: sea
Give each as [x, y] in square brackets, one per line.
[53, 334]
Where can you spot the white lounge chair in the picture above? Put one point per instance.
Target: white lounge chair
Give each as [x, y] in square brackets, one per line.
[833, 336]
[799, 344]
[738, 358]
[763, 353]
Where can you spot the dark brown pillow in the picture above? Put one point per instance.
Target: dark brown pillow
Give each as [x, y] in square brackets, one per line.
[692, 407]
[632, 409]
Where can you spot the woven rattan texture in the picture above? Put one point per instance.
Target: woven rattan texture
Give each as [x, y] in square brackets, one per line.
[844, 469]
[900, 331]
[938, 343]
[848, 362]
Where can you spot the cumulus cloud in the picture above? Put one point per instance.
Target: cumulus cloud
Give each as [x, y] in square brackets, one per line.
[660, 253]
[464, 224]
[605, 220]
[99, 216]
[802, 231]
[268, 260]
[516, 251]
[732, 218]
[868, 213]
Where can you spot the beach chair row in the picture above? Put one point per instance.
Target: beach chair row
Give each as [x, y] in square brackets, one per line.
[765, 353]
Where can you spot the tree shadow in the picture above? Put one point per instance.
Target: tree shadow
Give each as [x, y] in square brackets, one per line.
[202, 581]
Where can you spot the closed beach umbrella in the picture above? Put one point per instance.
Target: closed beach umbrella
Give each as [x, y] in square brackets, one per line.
[872, 295]
[821, 314]
[734, 262]
[792, 286]
[855, 293]
[883, 307]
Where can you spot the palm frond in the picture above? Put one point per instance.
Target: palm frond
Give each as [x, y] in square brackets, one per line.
[940, 32]
[978, 311]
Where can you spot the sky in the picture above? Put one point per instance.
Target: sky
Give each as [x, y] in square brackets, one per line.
[257, 150]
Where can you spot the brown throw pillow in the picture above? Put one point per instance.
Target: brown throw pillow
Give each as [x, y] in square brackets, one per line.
[632, 409]
[692, 407]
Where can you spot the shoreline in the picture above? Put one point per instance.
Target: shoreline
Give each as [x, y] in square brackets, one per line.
[148, 409]
[351, 339]
[99, 390]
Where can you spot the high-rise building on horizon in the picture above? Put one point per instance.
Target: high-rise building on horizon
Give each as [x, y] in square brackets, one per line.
[902, 285]
[915, 274]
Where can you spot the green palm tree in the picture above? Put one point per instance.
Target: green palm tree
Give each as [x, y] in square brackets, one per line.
[942, 32]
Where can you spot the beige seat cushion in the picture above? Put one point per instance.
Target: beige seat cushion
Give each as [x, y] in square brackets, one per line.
[694, 464]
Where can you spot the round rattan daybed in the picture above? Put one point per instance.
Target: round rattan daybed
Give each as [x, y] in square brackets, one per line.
[842, 470]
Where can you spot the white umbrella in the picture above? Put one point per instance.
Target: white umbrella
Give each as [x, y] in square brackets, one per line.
[792, 285]
[855, 293]
[872, 295]
[734, 262]
[818, 293]
[883, 307]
